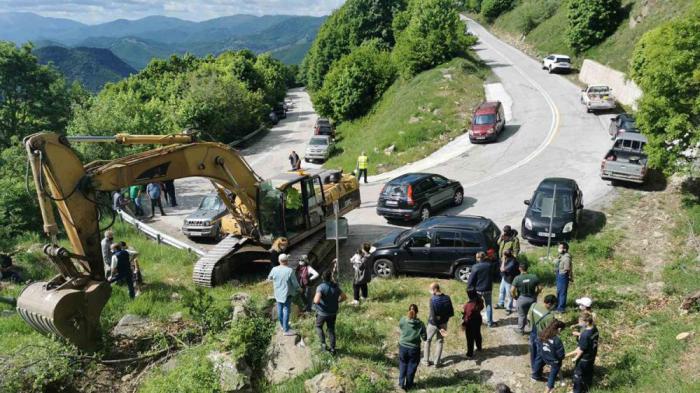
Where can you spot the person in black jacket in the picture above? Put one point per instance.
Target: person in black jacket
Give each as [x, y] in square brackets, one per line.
[441, 311]
[481, 280]
[552, 350]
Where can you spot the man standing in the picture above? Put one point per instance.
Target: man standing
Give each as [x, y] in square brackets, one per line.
[294, 161]
[121, 268]
[509, 270]
[481, 280]
[327, 299]
[285, 285]
[169, 186]
[525, 289]
[153, 191]
[135, 196]
[563, 274]
[508, 241]
[362, 166]
[540, 316]
[441, 311]
[106, 245]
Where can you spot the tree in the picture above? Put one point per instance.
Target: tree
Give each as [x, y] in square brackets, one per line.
[33, 97]
[355, 82]
[591, 21]
[274, 75]
[666, 66]
[434, 35]
[18, 210]
[491, 9]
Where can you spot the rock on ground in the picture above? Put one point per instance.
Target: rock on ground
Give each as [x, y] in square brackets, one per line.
[324, 383]
[132, 326]
[240, 303]
[288, 357]
[234, 374]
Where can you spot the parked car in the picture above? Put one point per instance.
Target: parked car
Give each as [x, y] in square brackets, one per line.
[488, 121]
[273, 118]
[323, 126]
[565, 211]
[319, 148]
[554, 63]
[622, 123]
[417, 195]
[626, 160]
[205, 222]
[438, 246]
[280, 110]
[598, 98]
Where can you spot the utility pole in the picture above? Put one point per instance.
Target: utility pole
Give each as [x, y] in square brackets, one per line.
[551, 219]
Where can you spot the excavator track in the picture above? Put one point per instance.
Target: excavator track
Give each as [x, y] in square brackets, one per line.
[315, 246]
[207, 271]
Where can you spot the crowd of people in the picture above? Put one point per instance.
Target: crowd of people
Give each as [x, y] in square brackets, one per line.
[538, 319]
[121, 264]
[133, 198]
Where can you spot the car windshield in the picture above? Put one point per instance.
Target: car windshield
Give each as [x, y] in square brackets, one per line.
[402, 236]
[318, 142]
[563, 60]
[629, 125]
[484, 119]
[210, 203]
[599, 89]
[545, 204]
[394, 190]
[324, 128]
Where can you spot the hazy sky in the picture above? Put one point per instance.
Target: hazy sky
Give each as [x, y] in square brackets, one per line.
[97, 11]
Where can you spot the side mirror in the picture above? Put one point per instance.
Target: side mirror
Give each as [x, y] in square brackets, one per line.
[527, 201]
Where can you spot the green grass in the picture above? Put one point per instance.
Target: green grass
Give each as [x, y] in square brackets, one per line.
[417, 116]
[615, 51]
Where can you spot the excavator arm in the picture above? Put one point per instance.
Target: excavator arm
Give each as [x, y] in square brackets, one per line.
[69, 305]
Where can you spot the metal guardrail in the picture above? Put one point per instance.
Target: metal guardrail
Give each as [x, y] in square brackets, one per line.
[249, 136]
[159, 236]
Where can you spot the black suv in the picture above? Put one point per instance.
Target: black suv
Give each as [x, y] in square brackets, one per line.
[443, 245]
[416, 195]
[622, 123]
[565, 211]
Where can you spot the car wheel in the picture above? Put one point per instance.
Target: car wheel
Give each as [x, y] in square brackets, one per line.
[458, 198]
[462, 272]
[424, 212]
[384, 268]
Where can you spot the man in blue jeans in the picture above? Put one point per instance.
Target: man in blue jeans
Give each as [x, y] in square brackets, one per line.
[481, 280]
[285, 287]
[563, 275]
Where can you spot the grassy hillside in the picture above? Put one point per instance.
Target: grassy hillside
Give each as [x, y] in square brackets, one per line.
[92, 67]
[417, 116]
[293, 54]
[615, 51]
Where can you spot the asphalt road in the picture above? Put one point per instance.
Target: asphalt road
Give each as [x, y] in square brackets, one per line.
[550, 134]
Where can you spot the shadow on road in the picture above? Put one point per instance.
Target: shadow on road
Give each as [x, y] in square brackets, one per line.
[592, 222]
[656, 181]
[509, 131]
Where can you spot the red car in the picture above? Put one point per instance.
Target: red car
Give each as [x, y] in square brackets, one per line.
[488, 122]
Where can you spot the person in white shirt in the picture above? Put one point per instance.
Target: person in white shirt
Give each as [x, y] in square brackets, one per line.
[306, 275]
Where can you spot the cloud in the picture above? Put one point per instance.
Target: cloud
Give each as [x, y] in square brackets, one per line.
[98, 11]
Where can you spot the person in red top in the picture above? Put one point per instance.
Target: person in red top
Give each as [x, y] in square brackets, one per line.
[472, 321]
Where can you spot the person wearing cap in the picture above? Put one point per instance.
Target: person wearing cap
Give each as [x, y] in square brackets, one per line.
[306, 275]
[481, 280]
[508, 241]
[509, 270]
[585, 304]
[285, 285]
[524, 289]
[564, 275]
[540, 315]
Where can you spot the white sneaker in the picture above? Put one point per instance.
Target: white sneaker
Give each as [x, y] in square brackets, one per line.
[355, 303]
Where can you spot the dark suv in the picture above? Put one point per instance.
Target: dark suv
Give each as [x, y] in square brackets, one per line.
[443, 245]
[564, 210]
[416, 195]
[324, 126]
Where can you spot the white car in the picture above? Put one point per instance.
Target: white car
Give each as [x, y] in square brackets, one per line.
[554, 63]
[319, 148]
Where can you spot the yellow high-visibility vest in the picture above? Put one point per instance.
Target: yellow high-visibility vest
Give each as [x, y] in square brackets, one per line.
[362, 162]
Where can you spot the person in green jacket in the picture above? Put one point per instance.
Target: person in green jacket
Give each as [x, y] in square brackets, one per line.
[508, 241]
[412, 332]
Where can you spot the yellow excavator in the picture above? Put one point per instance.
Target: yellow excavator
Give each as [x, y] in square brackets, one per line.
[294, 205]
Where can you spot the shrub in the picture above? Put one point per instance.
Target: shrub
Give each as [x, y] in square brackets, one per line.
[249, 338]
[531, 14]
[591, 21]
[355, 82]
[491, 9]
[203, 310]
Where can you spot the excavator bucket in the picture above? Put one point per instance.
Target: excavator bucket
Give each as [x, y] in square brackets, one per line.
[73, 314]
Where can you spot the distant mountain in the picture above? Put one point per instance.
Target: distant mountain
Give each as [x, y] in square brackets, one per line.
[92, 67]
[138, 41]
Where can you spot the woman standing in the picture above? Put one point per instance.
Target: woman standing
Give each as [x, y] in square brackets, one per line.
[412, 332]
[471, 322]
[279, 246]
[363, 273]
[306, 275]
[552, 351]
